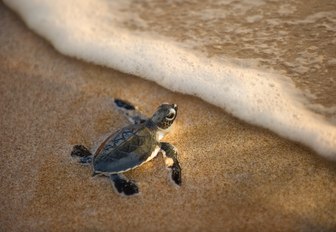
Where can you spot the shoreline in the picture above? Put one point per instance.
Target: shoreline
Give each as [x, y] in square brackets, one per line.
[235, 176]
[257, 97]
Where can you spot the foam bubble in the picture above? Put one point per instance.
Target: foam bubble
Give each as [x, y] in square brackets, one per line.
[88, 29]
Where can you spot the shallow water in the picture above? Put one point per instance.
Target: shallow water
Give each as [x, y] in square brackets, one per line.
[293, 37]
[240, 55]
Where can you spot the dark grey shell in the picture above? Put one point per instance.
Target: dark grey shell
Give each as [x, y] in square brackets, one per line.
[124, 150]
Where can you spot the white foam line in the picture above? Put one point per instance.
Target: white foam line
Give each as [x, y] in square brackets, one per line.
[84, 29]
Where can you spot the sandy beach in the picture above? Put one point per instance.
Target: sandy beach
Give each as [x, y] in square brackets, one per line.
[236, 177]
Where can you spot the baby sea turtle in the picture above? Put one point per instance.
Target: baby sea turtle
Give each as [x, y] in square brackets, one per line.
[133, 146]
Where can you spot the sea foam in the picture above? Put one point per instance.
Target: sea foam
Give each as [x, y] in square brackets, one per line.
[89, 30]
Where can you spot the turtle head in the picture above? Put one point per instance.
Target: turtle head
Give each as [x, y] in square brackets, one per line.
[164, 116]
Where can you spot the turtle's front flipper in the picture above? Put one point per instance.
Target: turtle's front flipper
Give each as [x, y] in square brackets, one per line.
[170, 156]
[130, 111]
[123, 185]
[82, 152]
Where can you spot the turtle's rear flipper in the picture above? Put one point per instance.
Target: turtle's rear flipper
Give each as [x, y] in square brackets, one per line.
[123, 185]
[82, 152]
[170, 157]
[130, 111]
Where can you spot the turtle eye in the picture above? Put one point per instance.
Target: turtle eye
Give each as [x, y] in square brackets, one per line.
[170, 116]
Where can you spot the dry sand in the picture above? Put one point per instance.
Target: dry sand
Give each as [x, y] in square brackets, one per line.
[235, 176]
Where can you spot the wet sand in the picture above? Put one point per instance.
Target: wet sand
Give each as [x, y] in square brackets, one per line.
[235, 176]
